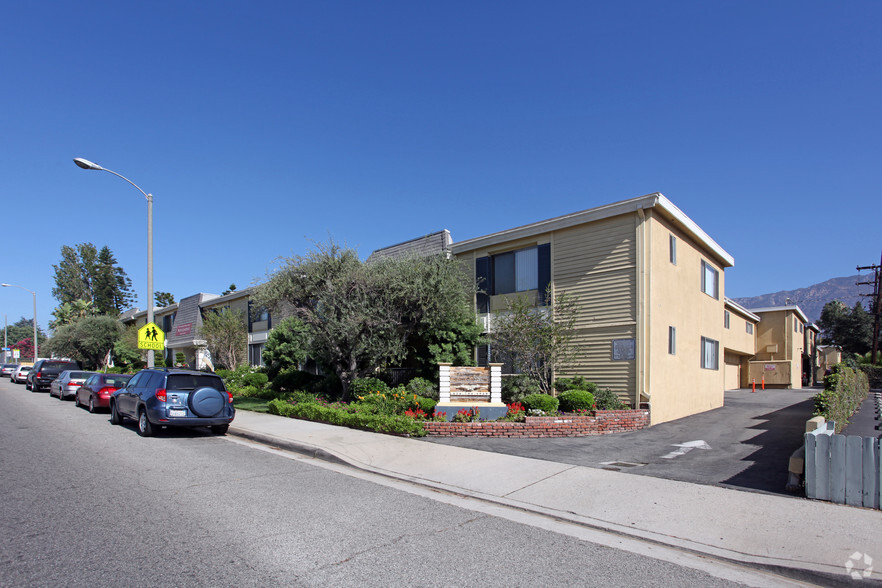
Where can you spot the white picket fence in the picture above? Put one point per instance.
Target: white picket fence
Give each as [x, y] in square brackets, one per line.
[843, 469]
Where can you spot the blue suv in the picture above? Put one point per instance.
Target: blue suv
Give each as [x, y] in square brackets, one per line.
[173, 398]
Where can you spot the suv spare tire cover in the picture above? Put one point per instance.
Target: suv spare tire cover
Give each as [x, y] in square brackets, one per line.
[207, 402]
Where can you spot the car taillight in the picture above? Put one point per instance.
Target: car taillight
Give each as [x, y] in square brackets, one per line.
[230, 394]
[107, 390]
[160, 395]
[39, 374]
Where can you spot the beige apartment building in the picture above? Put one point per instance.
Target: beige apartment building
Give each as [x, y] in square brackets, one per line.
[739, 328]
[783, 350]
[648, 284]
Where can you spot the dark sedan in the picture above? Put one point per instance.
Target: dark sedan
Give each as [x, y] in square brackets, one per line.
[95, 392]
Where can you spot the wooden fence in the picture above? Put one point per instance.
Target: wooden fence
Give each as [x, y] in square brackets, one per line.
[843, 469]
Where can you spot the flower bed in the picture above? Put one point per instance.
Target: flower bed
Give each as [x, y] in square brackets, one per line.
[600, 423]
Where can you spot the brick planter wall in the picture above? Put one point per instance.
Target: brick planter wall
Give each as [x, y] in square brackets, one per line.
[601, 423]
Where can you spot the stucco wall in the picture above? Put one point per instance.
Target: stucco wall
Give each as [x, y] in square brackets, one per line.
[677, 384]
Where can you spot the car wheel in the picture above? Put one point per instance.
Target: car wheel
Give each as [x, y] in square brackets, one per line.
[219, 429]
[145, 428]
[115, 417]
[91, 405]
[27, 385]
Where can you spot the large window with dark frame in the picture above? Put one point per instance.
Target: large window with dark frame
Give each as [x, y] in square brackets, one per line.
[521, 270]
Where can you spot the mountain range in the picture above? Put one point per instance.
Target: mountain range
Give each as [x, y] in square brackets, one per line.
[813, 298]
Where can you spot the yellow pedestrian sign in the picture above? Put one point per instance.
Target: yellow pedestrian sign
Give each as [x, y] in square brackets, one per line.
[151, 337]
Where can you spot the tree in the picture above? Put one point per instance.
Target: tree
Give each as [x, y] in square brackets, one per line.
[366, 317]
[536, 340]
[86, 274]
[162, 299]
[26, 347]
[89, 339]
[226, 333]
[111, 287]
[849, 328]
[287, 346]
[69, 312]
[22, 329]
[229, 290]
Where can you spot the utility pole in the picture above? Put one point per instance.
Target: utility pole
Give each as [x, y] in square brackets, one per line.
[877, 303]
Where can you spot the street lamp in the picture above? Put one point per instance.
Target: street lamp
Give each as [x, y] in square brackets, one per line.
[35, 314]
[86, 164]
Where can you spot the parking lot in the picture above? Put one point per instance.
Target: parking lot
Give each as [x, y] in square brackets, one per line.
[745, 444]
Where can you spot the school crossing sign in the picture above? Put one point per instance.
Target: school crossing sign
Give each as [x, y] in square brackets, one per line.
[151, 337]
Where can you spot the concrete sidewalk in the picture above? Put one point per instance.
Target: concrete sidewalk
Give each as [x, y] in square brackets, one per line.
[794, 536]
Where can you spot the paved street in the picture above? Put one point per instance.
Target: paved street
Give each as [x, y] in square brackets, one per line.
[88, 503]
[747, 443]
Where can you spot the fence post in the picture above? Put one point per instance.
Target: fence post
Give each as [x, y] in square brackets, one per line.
[837, 469]
[854, 477]
[870, 494]
[811, 470]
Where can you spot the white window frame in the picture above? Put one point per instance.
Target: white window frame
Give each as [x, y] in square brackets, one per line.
[748, 326]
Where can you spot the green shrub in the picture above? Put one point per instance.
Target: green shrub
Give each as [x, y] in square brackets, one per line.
[245, 381]
[365, 386]
[422, 387]
[576, 400]
[562, 385]
[543, 402]
[606, 399]
[427, 405]
[844, 391]
[336, 415]
[516, 387]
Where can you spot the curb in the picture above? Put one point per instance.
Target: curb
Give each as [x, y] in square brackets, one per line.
[288, 445]
[811, 574]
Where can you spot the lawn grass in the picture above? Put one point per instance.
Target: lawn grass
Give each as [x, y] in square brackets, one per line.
[250, 403]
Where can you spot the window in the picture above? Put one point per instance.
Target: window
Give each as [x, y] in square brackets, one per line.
[710, 354]
[748, 326]
[514, 271]
[672, 340]
[673, 242]
[710, 280]
[726, 318]
[255, 354]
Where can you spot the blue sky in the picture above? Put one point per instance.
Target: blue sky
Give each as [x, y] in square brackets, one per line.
[264, 127]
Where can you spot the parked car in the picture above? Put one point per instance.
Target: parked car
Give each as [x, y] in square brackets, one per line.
[46, 370]
[6, 369]
[67, 383]
[166, 397]
[96, 390]
[20, 374]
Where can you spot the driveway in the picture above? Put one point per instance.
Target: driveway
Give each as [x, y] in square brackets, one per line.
[745, 444]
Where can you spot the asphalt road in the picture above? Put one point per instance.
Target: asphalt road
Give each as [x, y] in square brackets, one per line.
[88, 503]
[746, 444]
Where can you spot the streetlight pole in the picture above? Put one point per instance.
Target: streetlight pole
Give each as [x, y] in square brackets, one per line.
[86, 164]
[35, 313]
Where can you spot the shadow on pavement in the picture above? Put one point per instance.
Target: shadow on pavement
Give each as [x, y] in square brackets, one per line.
[782, 434]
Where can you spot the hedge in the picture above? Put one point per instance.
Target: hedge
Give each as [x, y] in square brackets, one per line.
[844, 391]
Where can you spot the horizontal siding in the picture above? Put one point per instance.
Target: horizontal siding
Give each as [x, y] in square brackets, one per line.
[594, 360]
[596, 263]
